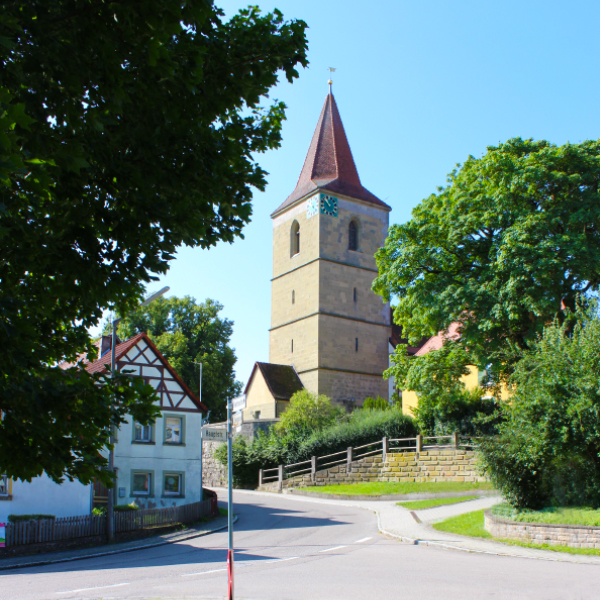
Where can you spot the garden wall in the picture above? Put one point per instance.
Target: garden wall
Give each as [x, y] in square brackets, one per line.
[574, 536]
[214, 474]
[428, 465]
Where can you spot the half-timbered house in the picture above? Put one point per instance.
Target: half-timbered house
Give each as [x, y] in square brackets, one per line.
[160, 464]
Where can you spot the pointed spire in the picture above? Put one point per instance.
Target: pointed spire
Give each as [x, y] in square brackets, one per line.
[329, 164]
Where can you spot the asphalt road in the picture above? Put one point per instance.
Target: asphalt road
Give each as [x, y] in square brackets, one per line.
[287, 548]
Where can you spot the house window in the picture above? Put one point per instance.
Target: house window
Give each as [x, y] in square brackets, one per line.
[141, 483]
[4, 491]
[173, 430]
[356, 345]
[352, 236]
[173, 484]
[142, 433]
[295, 239]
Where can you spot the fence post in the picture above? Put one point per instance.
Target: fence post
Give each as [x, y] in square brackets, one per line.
[384, 444]
[349, 460]
[419, 442]
[280, 478]
[313, 468]
[260, 477]
[455, 439]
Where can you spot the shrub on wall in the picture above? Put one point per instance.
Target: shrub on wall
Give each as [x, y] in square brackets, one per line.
[269, 450]
[548, 448]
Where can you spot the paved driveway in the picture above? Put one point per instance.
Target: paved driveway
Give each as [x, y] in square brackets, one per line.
[293, 548]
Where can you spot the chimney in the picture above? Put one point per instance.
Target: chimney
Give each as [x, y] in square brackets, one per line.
[105, 345]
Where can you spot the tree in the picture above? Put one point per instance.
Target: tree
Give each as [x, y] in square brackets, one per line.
[548, 447]
[511, 240]
[308, 412]
[126, 129]
[188, 333]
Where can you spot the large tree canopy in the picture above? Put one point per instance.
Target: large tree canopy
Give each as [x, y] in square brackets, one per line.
[511, 240]
[188, 333]
[126, 129]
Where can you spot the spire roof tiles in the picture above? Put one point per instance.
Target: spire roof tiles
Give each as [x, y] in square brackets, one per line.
[329, 164]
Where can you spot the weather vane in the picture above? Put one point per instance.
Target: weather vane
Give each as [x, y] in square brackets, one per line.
[330, 82]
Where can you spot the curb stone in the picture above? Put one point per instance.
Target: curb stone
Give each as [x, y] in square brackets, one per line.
[182, 538]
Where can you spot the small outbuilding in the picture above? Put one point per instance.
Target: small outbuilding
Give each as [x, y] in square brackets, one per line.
[269, 390]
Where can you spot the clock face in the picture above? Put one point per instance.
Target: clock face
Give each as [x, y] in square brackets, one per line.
[312, 207]
[329, 205]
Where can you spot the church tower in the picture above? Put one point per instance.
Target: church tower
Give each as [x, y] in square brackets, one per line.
[325, 320]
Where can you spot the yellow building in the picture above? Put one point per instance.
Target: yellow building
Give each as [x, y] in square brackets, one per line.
[269, 390]
[325, 320]
[472, 380]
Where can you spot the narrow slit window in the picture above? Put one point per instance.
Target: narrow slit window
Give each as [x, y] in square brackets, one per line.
[354, 294]
[292, 346]
[293, 296]
[356, 345]
[352, 236]
[295, 239]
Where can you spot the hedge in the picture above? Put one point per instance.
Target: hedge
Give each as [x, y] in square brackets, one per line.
[269, 450]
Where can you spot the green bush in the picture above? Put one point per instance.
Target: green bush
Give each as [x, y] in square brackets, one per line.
[126, 507]
[269, 450]
[378, 403]
[309, 412]
[19, 518]
[547, 452]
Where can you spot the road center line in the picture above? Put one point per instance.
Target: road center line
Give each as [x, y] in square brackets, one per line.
[363, 540]
[202, 572]
[101, 587]
[330, 549]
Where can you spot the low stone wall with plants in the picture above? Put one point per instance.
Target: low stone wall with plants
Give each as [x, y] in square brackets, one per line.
[573, 536]
[429, 465]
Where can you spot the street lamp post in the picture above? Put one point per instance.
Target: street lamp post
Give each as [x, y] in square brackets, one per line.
[110, 505]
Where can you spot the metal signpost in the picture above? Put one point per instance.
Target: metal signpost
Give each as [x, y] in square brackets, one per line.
[235, 405]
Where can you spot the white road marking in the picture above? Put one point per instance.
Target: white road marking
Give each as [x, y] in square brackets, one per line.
[102, 587]
[363, 540]
[202, 572]
[278, 560]
[330, 549]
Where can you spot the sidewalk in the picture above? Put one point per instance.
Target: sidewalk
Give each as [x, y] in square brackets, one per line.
[49, 558]
[399, 523]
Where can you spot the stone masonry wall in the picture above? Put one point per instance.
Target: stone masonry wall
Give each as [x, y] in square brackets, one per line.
[430, 465]
[574, 536]
[214, 474]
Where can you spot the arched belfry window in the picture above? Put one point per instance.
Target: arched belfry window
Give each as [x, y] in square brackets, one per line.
[353, 236]
[295, 238]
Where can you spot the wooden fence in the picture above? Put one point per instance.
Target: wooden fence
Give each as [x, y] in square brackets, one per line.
[68, 528]
[383, 447]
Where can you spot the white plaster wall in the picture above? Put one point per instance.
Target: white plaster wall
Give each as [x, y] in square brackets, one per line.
[159, 457]
[43, 496]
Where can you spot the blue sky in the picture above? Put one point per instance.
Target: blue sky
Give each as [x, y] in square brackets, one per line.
[420, 86]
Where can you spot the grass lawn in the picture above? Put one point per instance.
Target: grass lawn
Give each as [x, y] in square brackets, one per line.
[380, 488]
[471, 524]
[572, 515]
[419, 504]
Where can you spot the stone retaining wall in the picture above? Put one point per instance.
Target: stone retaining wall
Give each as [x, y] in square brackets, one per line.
[214, 474]
[574, 536]
[429, 465]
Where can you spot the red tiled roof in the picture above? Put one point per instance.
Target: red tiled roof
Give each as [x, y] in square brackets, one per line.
[396, 338]
[103, 364]
[437, 341]
[329, 164]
